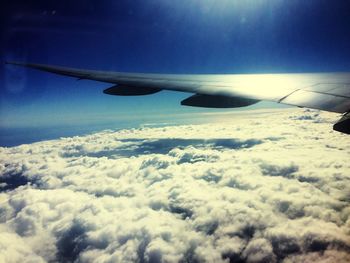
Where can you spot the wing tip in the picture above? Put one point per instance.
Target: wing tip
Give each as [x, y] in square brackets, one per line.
[15, 63]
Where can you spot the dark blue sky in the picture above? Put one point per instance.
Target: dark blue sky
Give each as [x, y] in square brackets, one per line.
[155, 36]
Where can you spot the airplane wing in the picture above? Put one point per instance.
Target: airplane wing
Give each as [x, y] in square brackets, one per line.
[323, 91]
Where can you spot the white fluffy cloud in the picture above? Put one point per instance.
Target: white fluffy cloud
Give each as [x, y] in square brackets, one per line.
[260, 187]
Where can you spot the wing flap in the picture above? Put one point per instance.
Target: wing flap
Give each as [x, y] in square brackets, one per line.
[341, 91]
[320, 101]
[338, 89]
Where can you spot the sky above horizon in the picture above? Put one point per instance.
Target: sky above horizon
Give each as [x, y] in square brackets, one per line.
[155, 36]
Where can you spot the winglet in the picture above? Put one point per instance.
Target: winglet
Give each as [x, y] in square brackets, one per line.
[343, 125]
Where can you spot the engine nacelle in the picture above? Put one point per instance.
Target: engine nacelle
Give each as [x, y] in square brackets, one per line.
[217, 101]
[119, 90]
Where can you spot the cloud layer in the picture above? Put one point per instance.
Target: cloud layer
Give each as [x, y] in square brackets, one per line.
[265, 187]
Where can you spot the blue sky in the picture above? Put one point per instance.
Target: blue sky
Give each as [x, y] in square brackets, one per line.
[153, 36]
